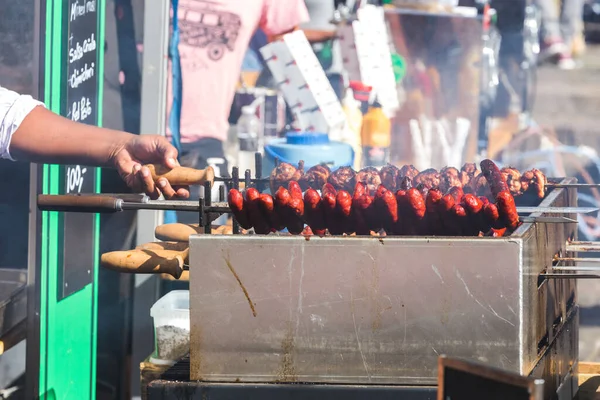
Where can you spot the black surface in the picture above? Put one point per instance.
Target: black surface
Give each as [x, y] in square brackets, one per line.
[175, 384]
[81, 94]
[459, 385]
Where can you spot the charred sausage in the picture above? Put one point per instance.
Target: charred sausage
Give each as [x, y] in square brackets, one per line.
[255, 216]
[237, 206]
[313, 212]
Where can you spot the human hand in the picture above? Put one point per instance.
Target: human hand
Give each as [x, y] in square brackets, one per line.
[130, 156]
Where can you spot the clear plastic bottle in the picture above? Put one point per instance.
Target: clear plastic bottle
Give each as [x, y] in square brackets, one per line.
[248, 133]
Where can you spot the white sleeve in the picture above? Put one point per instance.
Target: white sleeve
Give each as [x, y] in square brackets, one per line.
[13, 110]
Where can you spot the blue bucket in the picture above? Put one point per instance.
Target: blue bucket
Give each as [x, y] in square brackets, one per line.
[312, 148]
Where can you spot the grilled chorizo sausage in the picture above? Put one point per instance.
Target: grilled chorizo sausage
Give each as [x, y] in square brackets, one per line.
[295, 208]
[507, 210]
[386, 209]
[460, 220]
[255, 216]
[445, 206]
[492, 215]
[240, 212]
[267, 207]
[457, 193]
[313, 212]
[432, 205]
[360, 203]
[344, 210]
[494, 177]
[474, 208]
[328, 203]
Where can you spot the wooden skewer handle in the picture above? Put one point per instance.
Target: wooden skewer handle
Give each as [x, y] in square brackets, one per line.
[146, 261]
[170, 245]
[179, 232]
[176, 232]
[182, 176]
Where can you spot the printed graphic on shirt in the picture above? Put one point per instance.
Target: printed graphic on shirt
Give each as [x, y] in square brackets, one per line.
[202, 24]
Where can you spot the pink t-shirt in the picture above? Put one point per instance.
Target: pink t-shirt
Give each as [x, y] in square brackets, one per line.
[214, 37]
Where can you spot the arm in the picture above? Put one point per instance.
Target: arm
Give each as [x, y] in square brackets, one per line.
[31, 133]
[44, 137]
[282, 17]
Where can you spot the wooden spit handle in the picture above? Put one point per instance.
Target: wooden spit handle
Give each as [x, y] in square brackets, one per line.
[179, 232]
[173, 246]
[74, 203]
[146, 261]
[182, 176]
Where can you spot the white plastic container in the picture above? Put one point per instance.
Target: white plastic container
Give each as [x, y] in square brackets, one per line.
[171, 315]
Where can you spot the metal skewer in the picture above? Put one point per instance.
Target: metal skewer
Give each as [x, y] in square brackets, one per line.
[573, 185]
[548, 220]
[570, 276]
[583, 247]
[578, 259]
[557, 210]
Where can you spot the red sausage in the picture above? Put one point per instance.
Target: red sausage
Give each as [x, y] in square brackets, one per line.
[386, 207]
[256, 217]
[290, 210]
[313, 212]
[404, 222]
[328, 203]
[457, 193]
[448, 226]
[295, 223]
[295, 190]
[432, 204]
[267, 207]
[344, 211]
[474, 207]
[494, 177]
[240, 212]
[492, 217]
[508, 210]
[360, 203]
[460, 219]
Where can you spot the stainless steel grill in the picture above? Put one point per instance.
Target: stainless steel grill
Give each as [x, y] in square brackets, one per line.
[380, 311]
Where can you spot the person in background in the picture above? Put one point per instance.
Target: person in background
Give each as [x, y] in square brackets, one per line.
[214, 37]
[30, 132]
[560, 26]
[321, 34]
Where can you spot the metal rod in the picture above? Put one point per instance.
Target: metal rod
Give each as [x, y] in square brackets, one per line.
[557, 210]
[548, 220]
[235, 174]
[247, 178]
[596, 269]
[573, 185]
[579, 247]
[258, 171]
[222, 193]
[578, 259]
[570, 276]
[207, 203]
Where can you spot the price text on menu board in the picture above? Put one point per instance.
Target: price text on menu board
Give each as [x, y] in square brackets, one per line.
[80, 105]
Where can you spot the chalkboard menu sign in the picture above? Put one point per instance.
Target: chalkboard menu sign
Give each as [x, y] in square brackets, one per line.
[467, 380]
[81, 82]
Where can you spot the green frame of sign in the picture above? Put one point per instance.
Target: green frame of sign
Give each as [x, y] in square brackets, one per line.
[67, 327]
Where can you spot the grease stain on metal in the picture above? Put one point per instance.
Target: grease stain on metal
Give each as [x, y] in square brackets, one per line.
[287, 370]
[252, 308]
